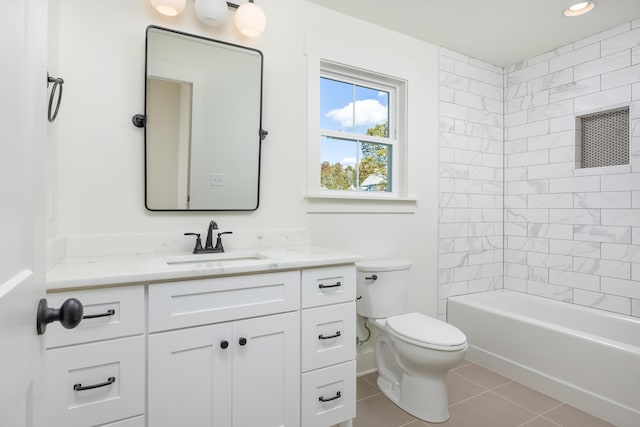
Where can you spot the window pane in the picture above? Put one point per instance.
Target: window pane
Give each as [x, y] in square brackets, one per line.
[336, 105]
[374, 169]
[338, 159]
[371, 112]
[351, 108]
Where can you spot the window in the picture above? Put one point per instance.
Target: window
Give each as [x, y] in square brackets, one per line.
[360, 144]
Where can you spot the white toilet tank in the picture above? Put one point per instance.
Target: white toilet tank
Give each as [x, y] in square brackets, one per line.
[382, 287]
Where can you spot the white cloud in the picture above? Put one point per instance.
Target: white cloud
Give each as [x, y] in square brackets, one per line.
[369, 112]
[348, 161]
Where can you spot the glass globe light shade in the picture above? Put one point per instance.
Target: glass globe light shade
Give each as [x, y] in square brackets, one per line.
[250, 19]
[169, 7]
[211, 12]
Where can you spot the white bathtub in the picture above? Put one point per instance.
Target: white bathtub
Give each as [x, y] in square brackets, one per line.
[587, 358]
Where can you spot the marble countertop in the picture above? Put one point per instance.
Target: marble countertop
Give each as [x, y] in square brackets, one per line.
[73, 273]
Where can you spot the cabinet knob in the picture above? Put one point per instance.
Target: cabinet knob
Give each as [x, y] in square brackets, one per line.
[69, 314]
[224, 344]
[242, 341]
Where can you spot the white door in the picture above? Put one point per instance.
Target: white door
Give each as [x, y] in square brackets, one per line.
[23, 77]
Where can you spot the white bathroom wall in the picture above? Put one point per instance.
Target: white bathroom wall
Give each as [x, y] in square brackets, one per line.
[471, 176]
[97, 181]
[573, 234]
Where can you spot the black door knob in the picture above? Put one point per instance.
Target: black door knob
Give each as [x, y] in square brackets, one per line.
[224, 344]
[242, 341]
[69, 314]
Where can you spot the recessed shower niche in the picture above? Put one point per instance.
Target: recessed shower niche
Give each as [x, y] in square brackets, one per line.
[602, 138]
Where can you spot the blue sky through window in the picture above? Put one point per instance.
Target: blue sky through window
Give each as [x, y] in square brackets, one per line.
[346, 107]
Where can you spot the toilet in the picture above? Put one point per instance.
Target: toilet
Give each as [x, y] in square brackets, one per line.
[414, 352]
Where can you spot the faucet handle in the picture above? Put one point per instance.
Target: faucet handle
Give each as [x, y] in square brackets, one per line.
[219, 247]
[198, 247]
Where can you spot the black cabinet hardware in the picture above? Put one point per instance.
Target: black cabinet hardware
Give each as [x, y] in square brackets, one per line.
[323, 286]
[109, 313]
[80, 387]
[328, 337]
[337, 396]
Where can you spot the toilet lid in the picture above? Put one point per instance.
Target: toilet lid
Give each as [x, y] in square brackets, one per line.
[426, 331]
[383, 265]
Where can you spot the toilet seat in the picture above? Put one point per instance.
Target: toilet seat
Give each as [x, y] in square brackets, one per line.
[426, 331]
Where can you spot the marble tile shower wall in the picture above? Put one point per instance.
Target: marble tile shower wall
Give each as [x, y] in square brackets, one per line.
[569, 234]
[573, 234]
[471, 176]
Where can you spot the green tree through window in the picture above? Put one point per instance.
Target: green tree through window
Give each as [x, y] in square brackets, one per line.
[373, 167]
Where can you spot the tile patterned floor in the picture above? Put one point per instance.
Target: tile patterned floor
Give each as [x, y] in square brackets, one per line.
[477, 398]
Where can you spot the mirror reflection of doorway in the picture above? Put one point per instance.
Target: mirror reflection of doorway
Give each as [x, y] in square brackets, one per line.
[170, 105]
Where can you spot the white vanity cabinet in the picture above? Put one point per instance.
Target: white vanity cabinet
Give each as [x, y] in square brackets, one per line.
[245, 350]
[239, 373]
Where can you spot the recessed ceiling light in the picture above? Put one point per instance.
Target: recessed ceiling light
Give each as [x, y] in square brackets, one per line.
[579, 8]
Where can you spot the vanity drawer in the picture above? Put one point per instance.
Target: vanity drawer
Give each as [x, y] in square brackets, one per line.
[205, 301]
[335, 385]
[117, 365]
[328, 335]
[118, 312]
[330, 285]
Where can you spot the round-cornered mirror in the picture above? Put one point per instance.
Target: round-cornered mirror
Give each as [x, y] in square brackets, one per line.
[203, 123]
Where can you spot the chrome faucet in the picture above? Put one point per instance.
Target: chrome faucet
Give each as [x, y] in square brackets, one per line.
[208, 247]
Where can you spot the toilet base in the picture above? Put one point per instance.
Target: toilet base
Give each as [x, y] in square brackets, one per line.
[424, 398]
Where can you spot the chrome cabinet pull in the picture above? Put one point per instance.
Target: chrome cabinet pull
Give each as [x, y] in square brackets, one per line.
[328, 337]
[323, 286]
[110, 312]
[337, 396]
[80, 387]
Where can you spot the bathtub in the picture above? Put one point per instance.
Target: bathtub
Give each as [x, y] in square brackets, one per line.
[585, 357]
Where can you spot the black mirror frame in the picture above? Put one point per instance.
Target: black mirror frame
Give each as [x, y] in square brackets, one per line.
[140, 120]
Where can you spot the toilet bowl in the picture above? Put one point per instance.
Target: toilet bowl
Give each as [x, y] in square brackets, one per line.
[414, 352]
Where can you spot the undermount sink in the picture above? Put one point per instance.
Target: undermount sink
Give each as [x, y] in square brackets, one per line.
[213, 257]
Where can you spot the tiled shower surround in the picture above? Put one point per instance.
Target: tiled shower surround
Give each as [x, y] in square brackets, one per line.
[508, 174]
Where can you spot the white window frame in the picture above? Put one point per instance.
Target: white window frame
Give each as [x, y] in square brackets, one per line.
[397, 107]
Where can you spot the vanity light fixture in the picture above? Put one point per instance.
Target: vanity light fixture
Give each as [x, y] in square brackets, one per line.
[250, 19]
[579, 8]
[169, 7]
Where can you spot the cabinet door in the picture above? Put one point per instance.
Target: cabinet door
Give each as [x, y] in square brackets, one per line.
[190, 377]
[266, 371]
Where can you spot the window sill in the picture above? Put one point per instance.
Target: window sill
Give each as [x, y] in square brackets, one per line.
[330, 203]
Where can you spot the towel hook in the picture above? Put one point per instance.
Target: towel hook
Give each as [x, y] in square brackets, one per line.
[56, 82]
